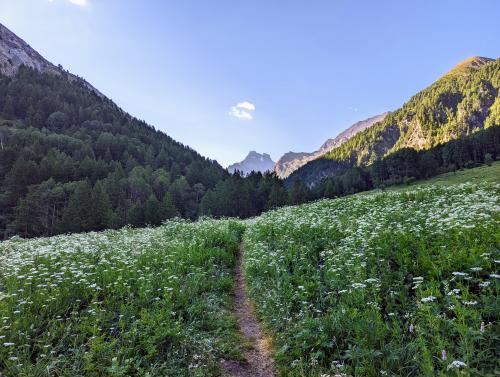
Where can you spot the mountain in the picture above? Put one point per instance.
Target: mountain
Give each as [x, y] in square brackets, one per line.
[469, 65]
[14, 53]
[463, 101]
[253, 162]
[72, 160]
[292, 161]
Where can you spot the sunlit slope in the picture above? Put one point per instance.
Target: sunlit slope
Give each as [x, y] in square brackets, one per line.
[374, 283]
[480, 174]
[458, 104]
[399, 283]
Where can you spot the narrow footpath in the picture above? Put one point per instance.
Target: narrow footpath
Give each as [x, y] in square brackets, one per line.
[256, 348]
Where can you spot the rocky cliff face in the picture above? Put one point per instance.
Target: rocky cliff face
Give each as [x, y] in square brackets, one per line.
[350, 132]
[253, 162]
[14, 52]
[292, 161]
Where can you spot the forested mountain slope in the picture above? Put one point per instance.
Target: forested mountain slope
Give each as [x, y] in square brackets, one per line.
[291, 161]
[71, 160]
[460, 103]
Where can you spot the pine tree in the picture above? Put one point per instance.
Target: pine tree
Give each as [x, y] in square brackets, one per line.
[299, 193]
[8, 108]
[277, 196]
[168, 209]
[77, 216]
[135, 215]
[101, 207]
[152, 211]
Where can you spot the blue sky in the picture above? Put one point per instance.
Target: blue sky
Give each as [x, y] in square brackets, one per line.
[229, 76]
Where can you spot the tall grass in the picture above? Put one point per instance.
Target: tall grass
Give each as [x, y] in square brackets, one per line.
[148, 302]
[401, 283]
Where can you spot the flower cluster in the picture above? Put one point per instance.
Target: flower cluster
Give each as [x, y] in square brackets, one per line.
[125, 302]
[383, 273]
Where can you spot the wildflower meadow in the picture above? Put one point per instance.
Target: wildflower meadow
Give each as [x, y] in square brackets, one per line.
[133, 302]
[386, 283]
[399, 283]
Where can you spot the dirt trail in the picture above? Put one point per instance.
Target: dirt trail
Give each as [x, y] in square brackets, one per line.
[257, 353]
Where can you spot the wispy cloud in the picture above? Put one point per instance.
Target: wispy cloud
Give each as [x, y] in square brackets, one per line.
[80, 3]
[242, 110]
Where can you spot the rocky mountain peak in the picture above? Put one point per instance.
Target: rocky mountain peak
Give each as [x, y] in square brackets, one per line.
[254, 161]
[474, 62]
[15, 52]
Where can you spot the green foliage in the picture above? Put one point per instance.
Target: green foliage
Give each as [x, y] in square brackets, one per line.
[244, 197]
[147, 302]
[106, 168]
[407, 165]
[381, 283]
[372, 284]
[454, 106]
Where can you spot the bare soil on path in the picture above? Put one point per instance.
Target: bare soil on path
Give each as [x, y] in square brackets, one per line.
[257, 347]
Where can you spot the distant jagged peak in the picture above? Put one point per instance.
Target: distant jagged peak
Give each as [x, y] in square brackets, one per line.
[254, 161]
[471, 63]
[254, 154]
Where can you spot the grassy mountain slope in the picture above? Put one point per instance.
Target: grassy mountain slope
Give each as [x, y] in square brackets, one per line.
[461, 102]
[129, 302]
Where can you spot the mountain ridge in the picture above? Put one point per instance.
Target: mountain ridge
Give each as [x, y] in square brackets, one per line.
[455, 105]
[15, 52]
[291, 161]
[471, 63]
[253, 162]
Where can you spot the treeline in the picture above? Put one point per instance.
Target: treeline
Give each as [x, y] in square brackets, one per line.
[245, 197]
[72, 161]
[405, 166]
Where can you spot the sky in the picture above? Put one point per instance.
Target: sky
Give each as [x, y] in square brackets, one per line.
[229, 76]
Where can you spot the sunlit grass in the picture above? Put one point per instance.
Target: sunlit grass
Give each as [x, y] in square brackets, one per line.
[146, 302]
[396, 283]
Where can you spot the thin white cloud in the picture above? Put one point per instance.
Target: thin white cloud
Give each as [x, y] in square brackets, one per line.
[242, 110]
[80, 3]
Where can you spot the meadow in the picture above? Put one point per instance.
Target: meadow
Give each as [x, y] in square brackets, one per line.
[397, 283]
[132, 302]
[401, 282]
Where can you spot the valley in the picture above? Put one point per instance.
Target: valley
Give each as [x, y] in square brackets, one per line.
[128, 250]
[158, 301]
